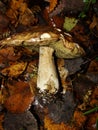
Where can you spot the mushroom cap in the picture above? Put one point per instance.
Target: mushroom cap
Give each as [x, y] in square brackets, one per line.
[45, 36]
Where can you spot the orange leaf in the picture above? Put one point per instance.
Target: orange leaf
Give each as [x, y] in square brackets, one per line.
[53, 4]
[20, 97]
[94, 23]
[14, 70]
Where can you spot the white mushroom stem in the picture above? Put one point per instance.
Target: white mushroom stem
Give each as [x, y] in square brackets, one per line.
[47, 80]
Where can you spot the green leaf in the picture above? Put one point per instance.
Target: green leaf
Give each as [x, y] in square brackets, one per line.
[69, 23]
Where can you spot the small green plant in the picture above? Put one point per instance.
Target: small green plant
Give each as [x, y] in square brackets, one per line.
[91, 110]
[86, 7]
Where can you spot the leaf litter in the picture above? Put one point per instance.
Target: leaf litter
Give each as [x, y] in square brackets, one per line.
[21, 106]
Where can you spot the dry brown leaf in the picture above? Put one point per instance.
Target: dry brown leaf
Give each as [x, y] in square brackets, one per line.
[8, 53]
[91, 122]
[94, 23]
[20, 97]
[53, 4]
[4, 22]
[79, 119]
[27, 18]
[55, 20]
[16, 8]
[19, 13]
[14, 70]
[93, 67]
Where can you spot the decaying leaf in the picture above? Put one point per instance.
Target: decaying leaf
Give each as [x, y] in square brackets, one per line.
[91, 123]
[31, 75]
[20, 97]
[8, 54]
[14, 70]
[4, 22]
[93, 67]
[79, 120]
[27, 18]
[94, 23]
[50, 125]
[22, 121]
[53, 4]
[15, 5]
[19, 13]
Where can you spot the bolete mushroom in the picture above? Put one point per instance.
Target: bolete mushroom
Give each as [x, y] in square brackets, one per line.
[49, 40]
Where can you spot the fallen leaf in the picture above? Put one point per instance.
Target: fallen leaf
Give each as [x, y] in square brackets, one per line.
[69, 23]
[50, 125]
[52, 5]
[8, 53]
[79, 119]
[91, 122]
[27, 18]
[94, 23]
[93, 67]
[22, 121]
[19, 13]
[14, 70]
[20, 97]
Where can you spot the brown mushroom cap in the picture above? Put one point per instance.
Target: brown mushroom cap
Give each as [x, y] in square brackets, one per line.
[45, 36]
